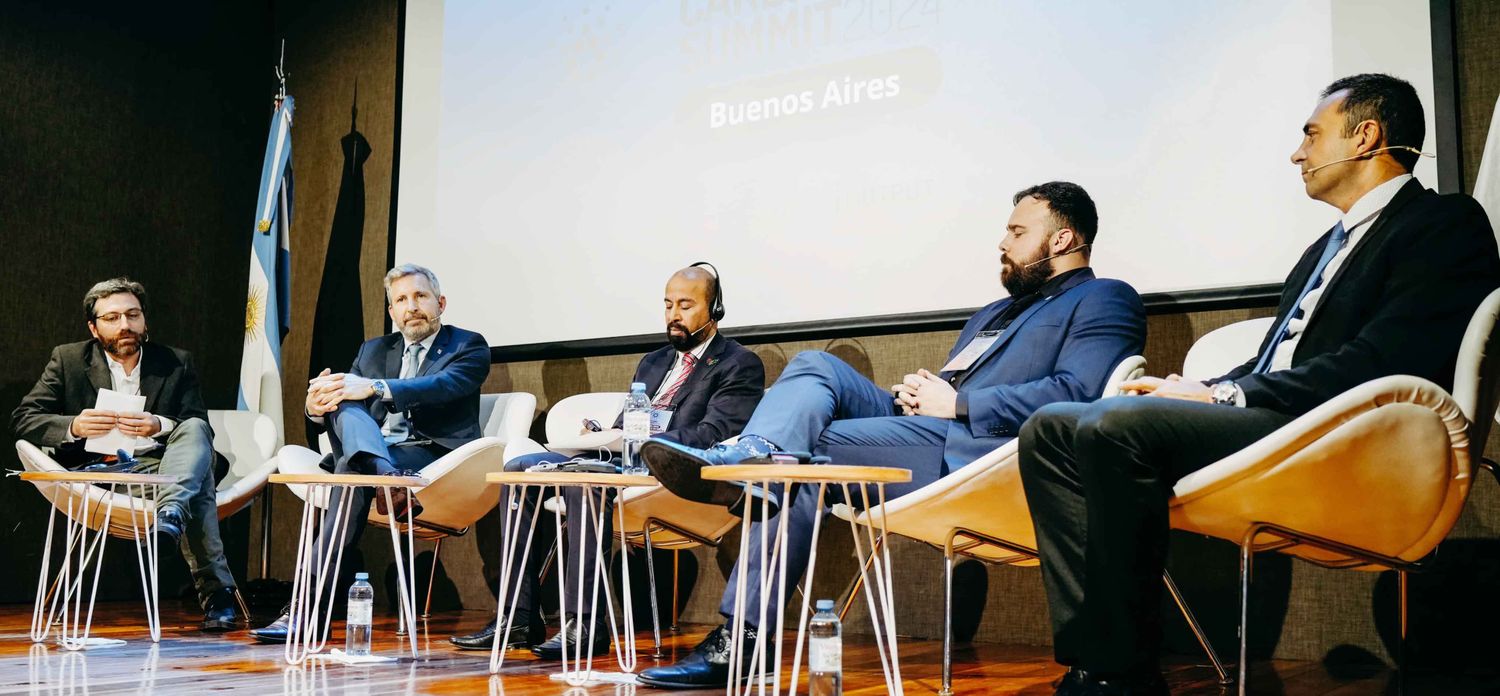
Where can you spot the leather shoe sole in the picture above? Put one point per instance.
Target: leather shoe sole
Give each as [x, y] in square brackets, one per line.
[679, 468]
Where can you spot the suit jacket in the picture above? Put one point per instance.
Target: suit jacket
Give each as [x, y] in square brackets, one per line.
[1399, 305]
[719, 396]
[442, 401]
[71, 382]
[1061, 348]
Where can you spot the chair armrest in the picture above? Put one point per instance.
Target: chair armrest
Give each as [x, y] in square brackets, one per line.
[1391, 455]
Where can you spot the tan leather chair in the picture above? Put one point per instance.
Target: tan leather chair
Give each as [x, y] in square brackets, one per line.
[1373, 479]
[980, 511]
[246, 439]
[458, 495]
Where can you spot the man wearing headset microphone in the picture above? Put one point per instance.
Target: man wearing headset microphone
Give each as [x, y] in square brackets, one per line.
[703, 386]
[1388, 290]
[1057, 337]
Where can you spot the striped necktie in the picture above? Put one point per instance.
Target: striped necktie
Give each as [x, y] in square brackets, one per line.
[1336, 241]
[665, 399]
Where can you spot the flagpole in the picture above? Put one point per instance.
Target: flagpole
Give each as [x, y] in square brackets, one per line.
[267, 315]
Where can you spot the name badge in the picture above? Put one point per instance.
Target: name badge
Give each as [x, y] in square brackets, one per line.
[966, 357]
[659, 419]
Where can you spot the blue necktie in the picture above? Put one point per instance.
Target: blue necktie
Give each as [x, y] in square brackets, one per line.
[1336, 241]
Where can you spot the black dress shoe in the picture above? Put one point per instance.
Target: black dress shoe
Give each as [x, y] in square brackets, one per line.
[1078, 682]
[277, 631]
[677, 468]
[706, 666]
[522, 634]
[1075, 683]
[222, 612]
[552, 649]
[169, 525]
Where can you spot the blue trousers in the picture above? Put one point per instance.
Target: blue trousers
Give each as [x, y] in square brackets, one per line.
[360, 448]
[821, 404]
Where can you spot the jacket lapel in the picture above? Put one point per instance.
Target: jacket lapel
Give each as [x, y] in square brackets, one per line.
[700, 370]
[98, 369]
[393, 357]
[1408, 191]
[656, 367]
[440, 350]
[153, 374]
[1015, 325]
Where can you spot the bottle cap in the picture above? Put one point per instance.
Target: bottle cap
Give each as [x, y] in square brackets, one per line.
[637, 386]
[361, 576]
[825, 605]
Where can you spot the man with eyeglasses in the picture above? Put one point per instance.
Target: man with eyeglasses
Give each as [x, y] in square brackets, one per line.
[172, 436]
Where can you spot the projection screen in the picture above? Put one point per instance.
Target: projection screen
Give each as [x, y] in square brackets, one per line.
[856, 158]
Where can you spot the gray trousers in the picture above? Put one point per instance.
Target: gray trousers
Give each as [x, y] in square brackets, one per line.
[189, 459]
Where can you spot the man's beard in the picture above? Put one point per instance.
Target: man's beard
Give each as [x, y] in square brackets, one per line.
[1020, 279]
[113, 347]
[418, 332]
[687, 341]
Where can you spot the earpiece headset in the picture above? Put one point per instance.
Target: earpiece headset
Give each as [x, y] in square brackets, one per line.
[716, 305]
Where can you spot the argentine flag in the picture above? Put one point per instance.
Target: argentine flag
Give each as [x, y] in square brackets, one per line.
[268, 303]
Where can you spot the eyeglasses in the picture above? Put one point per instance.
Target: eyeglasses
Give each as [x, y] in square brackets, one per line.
[114, 317]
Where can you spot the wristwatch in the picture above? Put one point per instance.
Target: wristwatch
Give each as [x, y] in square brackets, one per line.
[1226, 393]
[379, 387]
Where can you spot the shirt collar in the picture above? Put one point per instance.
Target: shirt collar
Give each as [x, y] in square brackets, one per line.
[426, 343]
[700, 350]
[116, 367]
[1375, 200]
[1050, 287]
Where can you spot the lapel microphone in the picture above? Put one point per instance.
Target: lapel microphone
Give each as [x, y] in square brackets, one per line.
[1371, 153]
[1060, 253]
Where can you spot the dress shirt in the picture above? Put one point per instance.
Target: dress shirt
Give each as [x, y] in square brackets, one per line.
[397, 419]
[130, 384]
[1356, 222]
[677, 367]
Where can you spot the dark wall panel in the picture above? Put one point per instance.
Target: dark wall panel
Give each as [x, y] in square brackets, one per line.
[131, 136]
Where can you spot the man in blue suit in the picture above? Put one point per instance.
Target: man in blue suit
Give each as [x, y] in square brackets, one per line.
[1057, 337]
[706, 383]
[411, 397]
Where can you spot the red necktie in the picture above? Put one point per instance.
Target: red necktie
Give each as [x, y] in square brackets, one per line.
[665, 400]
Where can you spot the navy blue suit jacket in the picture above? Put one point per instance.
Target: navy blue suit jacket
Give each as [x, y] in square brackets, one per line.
[442, 401]
[1062, 348]
[719, 396]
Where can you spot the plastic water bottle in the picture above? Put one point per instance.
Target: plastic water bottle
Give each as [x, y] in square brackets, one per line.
[637, 423]
[357, 627]
[825, 652]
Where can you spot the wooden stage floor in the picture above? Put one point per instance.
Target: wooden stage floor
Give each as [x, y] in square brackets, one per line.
[189, 662]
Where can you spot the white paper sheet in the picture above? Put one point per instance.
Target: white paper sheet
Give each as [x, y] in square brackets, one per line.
[114, 440]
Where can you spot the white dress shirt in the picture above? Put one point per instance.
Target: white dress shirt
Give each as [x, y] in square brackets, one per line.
[130, 384]
[1356, 222]
[678, 364]
[395, 421]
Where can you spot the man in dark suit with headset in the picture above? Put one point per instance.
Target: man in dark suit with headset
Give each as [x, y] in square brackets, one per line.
[411, 397]
[1389, 290]
[1057, 337]
[703, 387]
